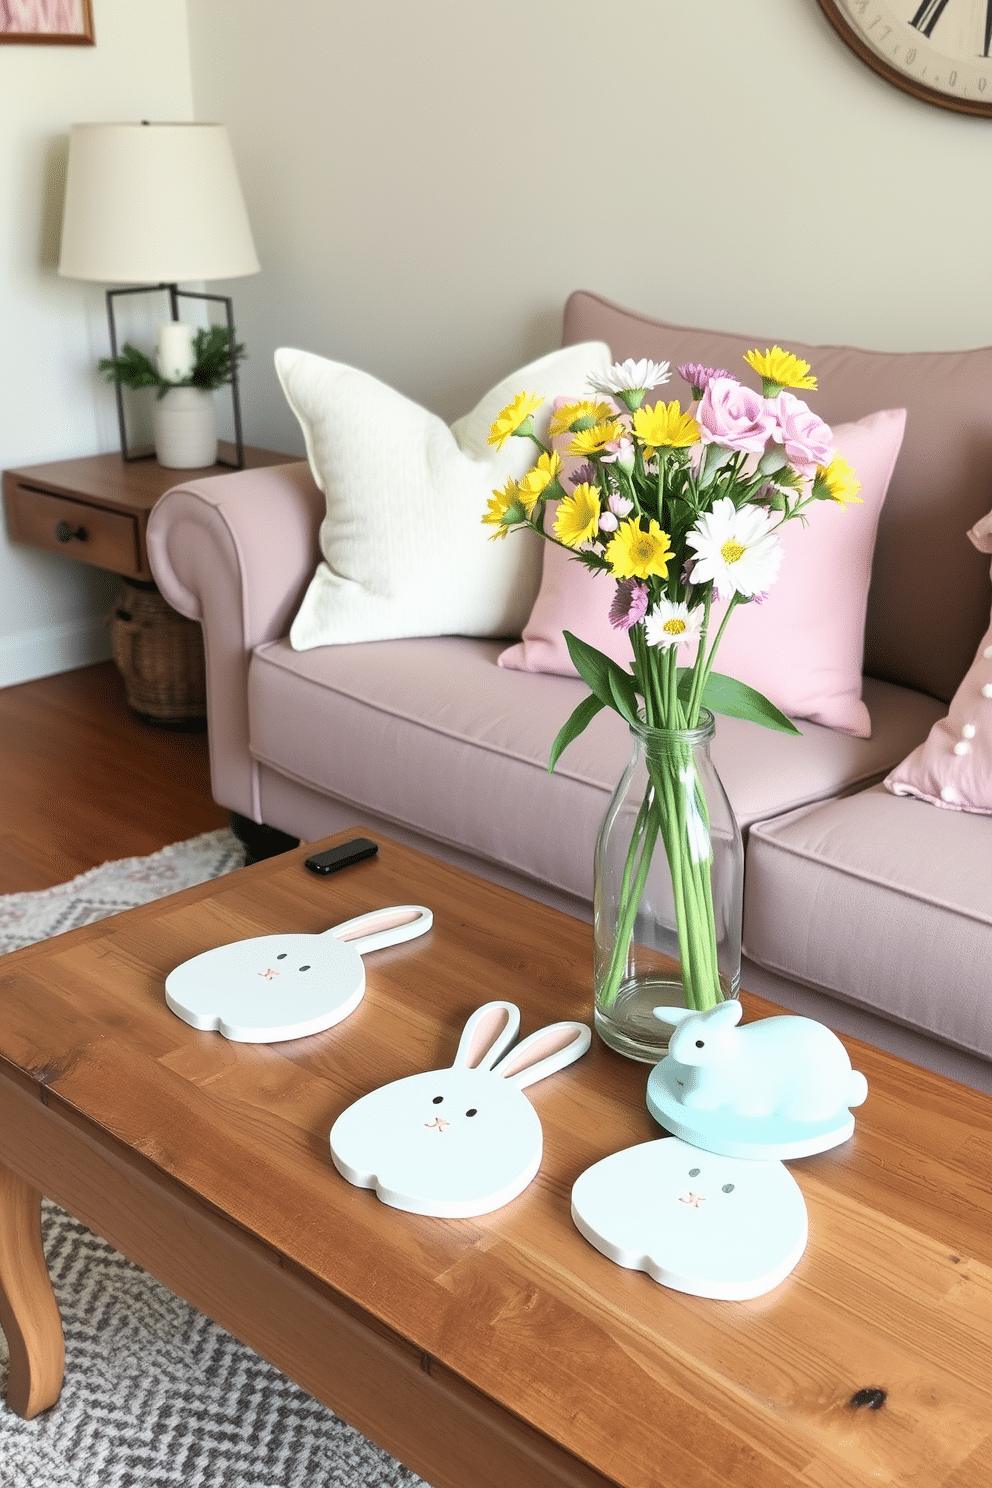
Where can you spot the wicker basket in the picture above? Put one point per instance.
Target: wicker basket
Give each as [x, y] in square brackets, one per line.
[160, 656]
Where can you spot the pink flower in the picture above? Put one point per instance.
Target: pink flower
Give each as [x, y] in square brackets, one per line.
[807, 440]
[629, 604]
[734, 417]
[622, 451]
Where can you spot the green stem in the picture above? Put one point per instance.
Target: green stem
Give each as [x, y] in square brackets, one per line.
[672, 784]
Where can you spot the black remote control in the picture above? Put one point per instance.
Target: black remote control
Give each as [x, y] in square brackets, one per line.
[342, 856]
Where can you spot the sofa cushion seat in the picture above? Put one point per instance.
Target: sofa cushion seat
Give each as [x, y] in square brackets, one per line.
[431, 734]
[881, 900]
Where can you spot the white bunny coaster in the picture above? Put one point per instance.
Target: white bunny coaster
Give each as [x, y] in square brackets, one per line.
[694, 1221]
[275, 987]
[461, 1141]
[777, 1088]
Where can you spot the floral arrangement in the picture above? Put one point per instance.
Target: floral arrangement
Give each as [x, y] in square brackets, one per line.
[681, 508]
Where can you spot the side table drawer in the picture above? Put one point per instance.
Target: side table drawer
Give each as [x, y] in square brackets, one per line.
[90, 534]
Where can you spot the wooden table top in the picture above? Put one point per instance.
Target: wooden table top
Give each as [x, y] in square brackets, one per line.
[643, 1384]
[130, 485]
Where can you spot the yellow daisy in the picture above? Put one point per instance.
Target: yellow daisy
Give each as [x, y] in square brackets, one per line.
[536, 481]
[581, 415]
[837, 482]
[578, 516]
[779, 369]
[513, 417]
[665, 425]
[505, 510]
[633, 554]
[594, 440]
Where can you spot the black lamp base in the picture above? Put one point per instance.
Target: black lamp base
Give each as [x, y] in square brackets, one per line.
[175, 294]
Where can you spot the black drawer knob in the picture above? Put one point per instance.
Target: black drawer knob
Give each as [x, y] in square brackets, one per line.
[65, 533]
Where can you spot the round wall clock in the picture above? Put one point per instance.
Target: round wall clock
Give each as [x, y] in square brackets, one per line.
[937, 50]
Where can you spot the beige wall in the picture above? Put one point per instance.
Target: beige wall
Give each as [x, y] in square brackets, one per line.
[428, 181]
[52, 332]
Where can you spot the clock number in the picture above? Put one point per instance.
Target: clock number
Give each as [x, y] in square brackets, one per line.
[910, 56]
[927, 16]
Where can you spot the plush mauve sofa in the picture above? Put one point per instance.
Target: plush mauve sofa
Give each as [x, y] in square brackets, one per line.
[870, 911]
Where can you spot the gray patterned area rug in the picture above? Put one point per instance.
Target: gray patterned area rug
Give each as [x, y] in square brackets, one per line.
[156, 1394]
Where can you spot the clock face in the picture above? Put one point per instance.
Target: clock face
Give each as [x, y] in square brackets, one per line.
[938, 50]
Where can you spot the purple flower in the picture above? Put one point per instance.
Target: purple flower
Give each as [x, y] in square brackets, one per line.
[734, 417]
[807, 440]
[585, 475]
[699, 377]
[629, 604]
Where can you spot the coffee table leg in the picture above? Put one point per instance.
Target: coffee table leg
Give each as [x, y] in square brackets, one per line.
[29, 1314]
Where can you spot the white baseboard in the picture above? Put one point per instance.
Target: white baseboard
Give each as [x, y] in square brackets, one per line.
[30, 654]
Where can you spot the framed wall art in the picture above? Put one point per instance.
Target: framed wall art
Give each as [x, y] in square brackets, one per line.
[51, 22]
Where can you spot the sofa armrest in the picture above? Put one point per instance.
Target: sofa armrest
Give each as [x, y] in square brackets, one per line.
[236, 552]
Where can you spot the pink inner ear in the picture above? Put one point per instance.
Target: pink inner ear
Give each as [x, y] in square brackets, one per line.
[485, 1034]
[552, 1041]
[388, 920]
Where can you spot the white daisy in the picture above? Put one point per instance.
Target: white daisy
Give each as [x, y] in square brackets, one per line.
[736, 550]
[672, 623]
[631, 376]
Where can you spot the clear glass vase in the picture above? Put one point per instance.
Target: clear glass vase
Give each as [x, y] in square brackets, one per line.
[669, 879]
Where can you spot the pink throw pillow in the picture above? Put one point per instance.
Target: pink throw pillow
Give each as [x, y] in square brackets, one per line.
[803, 645]
[953, 766]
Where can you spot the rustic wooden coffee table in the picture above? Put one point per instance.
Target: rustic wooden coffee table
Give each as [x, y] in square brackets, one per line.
[503, 1350]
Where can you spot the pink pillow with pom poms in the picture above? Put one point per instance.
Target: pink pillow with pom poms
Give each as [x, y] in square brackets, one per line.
[953, 766]
[802, 646]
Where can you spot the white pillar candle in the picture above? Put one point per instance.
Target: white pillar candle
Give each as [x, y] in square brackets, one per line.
[175, 350]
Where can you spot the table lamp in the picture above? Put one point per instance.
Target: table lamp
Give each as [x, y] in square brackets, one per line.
[148, 206]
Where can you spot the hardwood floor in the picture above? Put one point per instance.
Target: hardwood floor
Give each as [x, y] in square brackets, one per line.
[83, 781]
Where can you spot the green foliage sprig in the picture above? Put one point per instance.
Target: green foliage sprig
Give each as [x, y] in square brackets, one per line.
[213, 364]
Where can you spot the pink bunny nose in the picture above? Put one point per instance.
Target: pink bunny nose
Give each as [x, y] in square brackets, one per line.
[694, 1199]
[439, 1122]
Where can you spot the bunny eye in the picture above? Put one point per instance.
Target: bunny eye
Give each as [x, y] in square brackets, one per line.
[281, 956]
[693, 1172]
[437, 1100]
[728, 1188]
[700, 1044]
[304, 968]
[473, 1111]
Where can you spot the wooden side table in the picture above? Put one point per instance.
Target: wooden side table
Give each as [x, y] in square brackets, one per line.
[95, 510]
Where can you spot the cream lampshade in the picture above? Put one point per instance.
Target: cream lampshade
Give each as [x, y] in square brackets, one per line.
[150, 205]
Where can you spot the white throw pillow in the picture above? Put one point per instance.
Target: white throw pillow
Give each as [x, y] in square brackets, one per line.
[405, 550]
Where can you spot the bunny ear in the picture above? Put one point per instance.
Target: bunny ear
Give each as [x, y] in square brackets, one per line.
[673, 1015]
[729, 1011]
[489, 1031]
[544, 1052]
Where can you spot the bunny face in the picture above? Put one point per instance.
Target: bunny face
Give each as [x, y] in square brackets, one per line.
[268, 988]
[461, 1141]
[451, 1142]
[712, 1226]
[705, 1038]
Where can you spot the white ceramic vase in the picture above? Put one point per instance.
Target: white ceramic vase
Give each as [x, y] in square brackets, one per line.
[185, 428]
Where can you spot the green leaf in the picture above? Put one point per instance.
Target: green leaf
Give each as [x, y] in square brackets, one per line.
[736, 700]
[625, 704]
[582, 716]
[604, 677]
